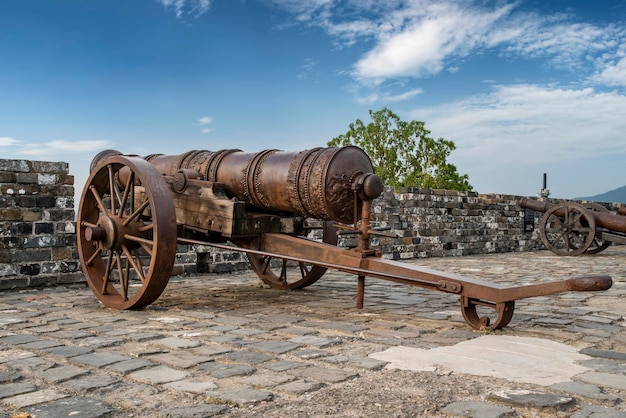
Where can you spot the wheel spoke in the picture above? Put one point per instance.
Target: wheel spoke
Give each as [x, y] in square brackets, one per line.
[112, 188]
[131, 261]
[93, 257]
[136, 213]
[107, 274]
[131, 180]
[123, 278]
[96, 195]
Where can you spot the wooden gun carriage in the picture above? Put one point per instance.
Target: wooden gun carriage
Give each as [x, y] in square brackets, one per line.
[571, 228]
[134, 211]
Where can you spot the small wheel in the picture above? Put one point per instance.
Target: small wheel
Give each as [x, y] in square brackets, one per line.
[568, 229]
[126, 232]
[504, 313]
[275, 271]
[598, 245]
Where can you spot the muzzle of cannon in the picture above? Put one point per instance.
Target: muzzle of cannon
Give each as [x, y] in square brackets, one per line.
[571, 228]
[134, 211]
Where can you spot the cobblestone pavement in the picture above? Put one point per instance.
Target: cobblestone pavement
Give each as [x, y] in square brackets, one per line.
[221, 346]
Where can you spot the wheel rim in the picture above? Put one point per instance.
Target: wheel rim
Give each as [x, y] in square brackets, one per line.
[568, 229]
[126, 233]
[279, 273]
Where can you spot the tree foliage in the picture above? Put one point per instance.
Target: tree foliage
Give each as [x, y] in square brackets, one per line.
[403, 154]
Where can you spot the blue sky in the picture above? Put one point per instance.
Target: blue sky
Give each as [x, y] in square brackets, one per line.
[522, 87]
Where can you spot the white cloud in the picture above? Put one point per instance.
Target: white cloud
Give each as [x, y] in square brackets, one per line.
[420, 38]
[62, 147]
[613, 74]
[527, 123]
[193, 8]
[7, 141]
[206, 130]
[205, 120]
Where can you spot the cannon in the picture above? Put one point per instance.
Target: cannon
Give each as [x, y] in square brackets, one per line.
[134, 211]
[571, 228]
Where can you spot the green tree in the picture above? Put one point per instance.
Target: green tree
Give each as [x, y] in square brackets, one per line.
[403, 154]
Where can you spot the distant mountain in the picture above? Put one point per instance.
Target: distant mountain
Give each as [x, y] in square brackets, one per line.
[614, 196]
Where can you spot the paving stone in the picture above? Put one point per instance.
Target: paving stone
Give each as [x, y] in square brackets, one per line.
[245, 396]
[477, 409]
[592, 411]
[191, 386]
[247, 357]
[93, 382]
[34, 398]
[31, 364]
[586, 390]
[594, 318]
[72, 407]
[9, 377]
[193, 411]
[604, 365]
[128, 366]
[8, 390]
[276, 347]
[19, 339]
[100, 342]
[182, 360]
[360, 362]
[100, 358]
[62, 373]
[247, 332]
[267, 379]
[232, 320]
[41, 344]
[175, 342]
[69, 334]
[157, 375]
[284, 365]
[221, 370]
[299, 387]
[211, 350]
[615, 381]
[67, 351]
[323, 374]
[144, 336]
[309, 353]
[319, 342]
[612, 355]
[589, 331]
[533, 399]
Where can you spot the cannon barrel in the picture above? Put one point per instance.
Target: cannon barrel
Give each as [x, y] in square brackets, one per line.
[603, 219]
[319, 183]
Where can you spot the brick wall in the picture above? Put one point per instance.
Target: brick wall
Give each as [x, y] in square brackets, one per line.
[37, 232]
[38, 241]
[428, 223]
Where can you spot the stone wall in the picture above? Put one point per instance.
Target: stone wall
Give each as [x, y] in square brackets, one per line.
[427, 223]
[37, 231]
[38, 241]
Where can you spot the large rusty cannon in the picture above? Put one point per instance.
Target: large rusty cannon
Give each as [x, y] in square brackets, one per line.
[134, 211]
[571, 228]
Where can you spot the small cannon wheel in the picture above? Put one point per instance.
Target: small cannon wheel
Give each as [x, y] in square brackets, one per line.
[598, 245]
[481, 322]
[568, 229]
[275, 272]
[126, 232]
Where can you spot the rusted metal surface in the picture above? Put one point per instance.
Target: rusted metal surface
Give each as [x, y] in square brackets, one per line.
[134, 211]
[571, 228]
